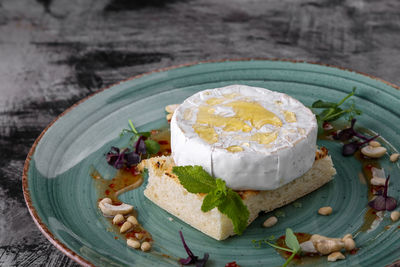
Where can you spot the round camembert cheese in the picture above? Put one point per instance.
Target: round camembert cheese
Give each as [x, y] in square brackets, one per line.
[250, 137]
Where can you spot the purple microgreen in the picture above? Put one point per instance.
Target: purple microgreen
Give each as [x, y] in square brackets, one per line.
[347, 133]
[383, 201]
[140, 146]
[191, 257]
[132, 158]
[350, 148]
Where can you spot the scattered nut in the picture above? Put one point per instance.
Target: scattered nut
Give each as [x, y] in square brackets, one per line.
[271, 221]
[328, 246]
[308, 247]
[347, 236]
[108, 209]
[395, 215]
[378, 181]
[139, 235]
[171, 108]
[374, 143]
[336, 256]
[133, 243]
[132, 220]
[394, 157]
[373, 152]
[119, 218]
[169, 116]
[325, 211]
[125, 227]
[146, 246]
[349, 244]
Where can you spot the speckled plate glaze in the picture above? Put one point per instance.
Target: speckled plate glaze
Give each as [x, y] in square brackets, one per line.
[62, 198]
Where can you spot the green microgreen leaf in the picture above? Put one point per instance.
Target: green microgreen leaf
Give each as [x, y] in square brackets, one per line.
[133, 127]
[152, 147]
[196, 180]
[331, 111]
[291, 240]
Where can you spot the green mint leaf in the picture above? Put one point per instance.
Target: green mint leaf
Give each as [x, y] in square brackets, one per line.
[323, 104]
[195, 179]
[152, 147]
[215, 197]
[291, 240]
[234, 208]
[211, 201]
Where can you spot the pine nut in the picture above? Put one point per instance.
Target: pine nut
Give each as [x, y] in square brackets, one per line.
[349, 244]
[374, 143]
[132, 220]
[125, 227]
[347, 236]
[336, 256]
[119, 218]
[171, 108]
[394, 157]
[271, 221]
[378, 181]
[325, 211]
[395, 216]
[146, 246]
[139, 235]
[133, 243]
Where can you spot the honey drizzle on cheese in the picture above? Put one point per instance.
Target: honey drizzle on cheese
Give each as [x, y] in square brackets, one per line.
[248, 114]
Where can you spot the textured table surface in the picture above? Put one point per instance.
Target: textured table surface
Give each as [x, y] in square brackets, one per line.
[55, 52]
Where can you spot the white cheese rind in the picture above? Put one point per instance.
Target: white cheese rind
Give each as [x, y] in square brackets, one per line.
[257, 167]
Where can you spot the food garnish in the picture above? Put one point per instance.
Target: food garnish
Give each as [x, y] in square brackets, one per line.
[291, 242]
[141, 144]
[196, 180]
[332, 111]
[383, 201]
[347, 134]
[192, 259]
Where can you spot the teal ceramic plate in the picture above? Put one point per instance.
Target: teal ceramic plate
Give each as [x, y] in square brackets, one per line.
[62, 197]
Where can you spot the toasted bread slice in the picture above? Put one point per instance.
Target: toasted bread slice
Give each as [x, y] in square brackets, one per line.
[165, 190]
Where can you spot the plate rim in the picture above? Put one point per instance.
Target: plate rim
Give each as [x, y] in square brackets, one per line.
[25, 183]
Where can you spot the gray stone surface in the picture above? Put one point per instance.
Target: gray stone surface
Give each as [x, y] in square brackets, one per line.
[55, 52]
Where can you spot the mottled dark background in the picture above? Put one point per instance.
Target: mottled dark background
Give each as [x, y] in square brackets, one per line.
[55, 52]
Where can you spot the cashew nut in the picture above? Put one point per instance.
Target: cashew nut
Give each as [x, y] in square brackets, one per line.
[374, 143]
[349, 244]
[325, 211]
[347, 236]
[328, 246]
[395, 215]
[171, 108]
[125, 227]
[107, 208]
[132, 220]
[271, 221]
[308, 247]
[378, 181]
[314, 238]
[336, 256]
[373, 152]
[169, 116]
[133, 243]
[146, 246]
[394, 157]
[119, 218]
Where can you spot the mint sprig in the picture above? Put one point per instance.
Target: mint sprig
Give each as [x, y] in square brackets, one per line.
[333, 111]
[196, 180]
[291, 242]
